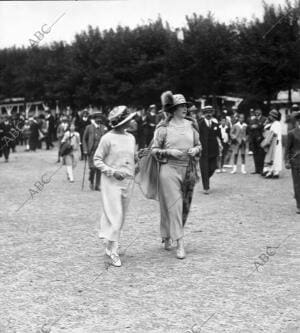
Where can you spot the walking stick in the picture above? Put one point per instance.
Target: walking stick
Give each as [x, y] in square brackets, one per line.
[82, 185]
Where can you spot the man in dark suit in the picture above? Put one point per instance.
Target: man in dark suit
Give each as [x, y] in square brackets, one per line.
[210, 138]
[90, 142]
[34, 134]
[7, 137]
[256, 128]
[81, 122]
[49, 135]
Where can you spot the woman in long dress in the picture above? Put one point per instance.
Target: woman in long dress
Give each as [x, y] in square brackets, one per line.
[115, 157]
[274, 152]
[176, 143]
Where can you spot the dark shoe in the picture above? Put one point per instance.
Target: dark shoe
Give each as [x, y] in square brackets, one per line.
[275, 176]
[298, 211]
[97, 188]
[206, 191]
[168, 244]
[269, 175]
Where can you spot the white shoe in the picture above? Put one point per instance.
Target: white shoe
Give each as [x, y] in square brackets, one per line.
[218, 171]
[243, 169]
[223, 170]
[233, 169]
[115, 259]
[180, 252]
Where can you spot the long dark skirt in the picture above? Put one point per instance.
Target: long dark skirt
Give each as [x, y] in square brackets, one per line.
[296, 182]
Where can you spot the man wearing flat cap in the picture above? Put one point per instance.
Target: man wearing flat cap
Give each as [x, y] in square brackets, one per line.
[210, 138]
[90, 142]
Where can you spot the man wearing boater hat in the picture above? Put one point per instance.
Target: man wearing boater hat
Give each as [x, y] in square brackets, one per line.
[90, 142]
[210, 138]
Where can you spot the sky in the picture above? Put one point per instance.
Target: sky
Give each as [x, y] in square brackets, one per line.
[21, 20]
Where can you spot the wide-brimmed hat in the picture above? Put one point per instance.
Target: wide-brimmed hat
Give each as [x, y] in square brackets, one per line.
[275, 114]
[170, 102]
[120, 115]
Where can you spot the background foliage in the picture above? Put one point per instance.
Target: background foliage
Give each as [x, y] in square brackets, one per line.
[252, 59]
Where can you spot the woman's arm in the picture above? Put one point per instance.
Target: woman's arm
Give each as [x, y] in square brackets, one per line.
[100, 155]
[158, 148]
[197, 143]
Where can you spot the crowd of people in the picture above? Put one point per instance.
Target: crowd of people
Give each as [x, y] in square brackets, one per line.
[169, 149]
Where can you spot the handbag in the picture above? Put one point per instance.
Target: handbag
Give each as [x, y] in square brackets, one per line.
[148, 176]
[66, 147]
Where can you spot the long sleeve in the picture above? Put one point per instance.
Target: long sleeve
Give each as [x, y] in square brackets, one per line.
[100, 155]
[197, 143]
[85, 140]
[289, 147]
[158, 148]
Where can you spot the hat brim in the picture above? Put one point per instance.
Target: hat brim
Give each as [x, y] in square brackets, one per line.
[173, 107]
[124, 121]
[204, 111]
[97, 115]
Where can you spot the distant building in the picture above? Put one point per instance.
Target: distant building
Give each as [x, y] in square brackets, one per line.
[220, 102]
[14, 105]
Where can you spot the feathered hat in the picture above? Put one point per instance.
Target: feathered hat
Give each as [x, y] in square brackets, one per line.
[169, 101]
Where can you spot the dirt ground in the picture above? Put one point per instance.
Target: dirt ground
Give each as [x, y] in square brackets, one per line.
[55, 278]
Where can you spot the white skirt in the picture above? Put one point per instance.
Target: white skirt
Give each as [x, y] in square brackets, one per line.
[115, 198]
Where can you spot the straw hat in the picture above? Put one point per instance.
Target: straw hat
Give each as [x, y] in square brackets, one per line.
[96, 114]
[208, 108]
[120, 115]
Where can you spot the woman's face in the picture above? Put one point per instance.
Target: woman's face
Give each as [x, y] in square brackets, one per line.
[181, 111]
[72, 128]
